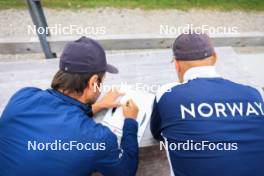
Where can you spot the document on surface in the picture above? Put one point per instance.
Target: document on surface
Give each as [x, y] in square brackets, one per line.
[114, 117]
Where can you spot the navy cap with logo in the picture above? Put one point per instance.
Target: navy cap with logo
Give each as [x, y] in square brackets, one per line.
[192, 46]
[85, 55]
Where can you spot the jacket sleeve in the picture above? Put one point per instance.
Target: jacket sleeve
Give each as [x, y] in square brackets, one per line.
[123, 160]
[155, 122]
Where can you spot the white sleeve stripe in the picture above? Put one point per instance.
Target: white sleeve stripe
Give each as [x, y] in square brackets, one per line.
[165, 88]
[261, 92]
[168, 157]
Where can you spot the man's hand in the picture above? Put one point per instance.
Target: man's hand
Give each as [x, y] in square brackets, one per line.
[108, 101]
[130, 109]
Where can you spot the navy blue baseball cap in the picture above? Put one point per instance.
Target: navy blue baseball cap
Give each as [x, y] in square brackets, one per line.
[192, 46]
[85, 55]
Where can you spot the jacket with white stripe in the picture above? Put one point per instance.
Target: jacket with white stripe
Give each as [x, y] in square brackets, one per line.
[207, 109]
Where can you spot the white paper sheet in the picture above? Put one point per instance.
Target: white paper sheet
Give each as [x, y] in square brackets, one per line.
[114, 118]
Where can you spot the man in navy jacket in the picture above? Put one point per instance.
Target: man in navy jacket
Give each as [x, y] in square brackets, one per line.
[52, 132]
[208, 125]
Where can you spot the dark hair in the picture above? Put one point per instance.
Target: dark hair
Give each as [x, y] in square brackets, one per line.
[73, 82]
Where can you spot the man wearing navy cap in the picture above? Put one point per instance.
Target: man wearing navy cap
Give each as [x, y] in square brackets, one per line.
[208, 125]
[51, 132]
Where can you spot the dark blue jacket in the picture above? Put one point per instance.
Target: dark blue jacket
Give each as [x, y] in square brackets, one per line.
[207, 108]
[36, 121]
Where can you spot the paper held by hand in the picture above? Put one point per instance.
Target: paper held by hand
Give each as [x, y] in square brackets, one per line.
[114, 117]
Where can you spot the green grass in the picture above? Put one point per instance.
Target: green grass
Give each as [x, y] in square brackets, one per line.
[224, 5]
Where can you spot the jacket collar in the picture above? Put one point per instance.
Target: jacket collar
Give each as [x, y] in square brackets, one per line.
[72, 101]
[200, 72]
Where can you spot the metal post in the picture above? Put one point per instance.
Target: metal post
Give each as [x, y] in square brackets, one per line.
[39, 20]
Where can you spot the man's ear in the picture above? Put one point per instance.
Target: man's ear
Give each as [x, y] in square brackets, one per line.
[93, 83]
[214, 59]
[177, 65]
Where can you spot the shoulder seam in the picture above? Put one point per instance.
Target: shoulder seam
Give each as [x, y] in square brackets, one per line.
[165, 88]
